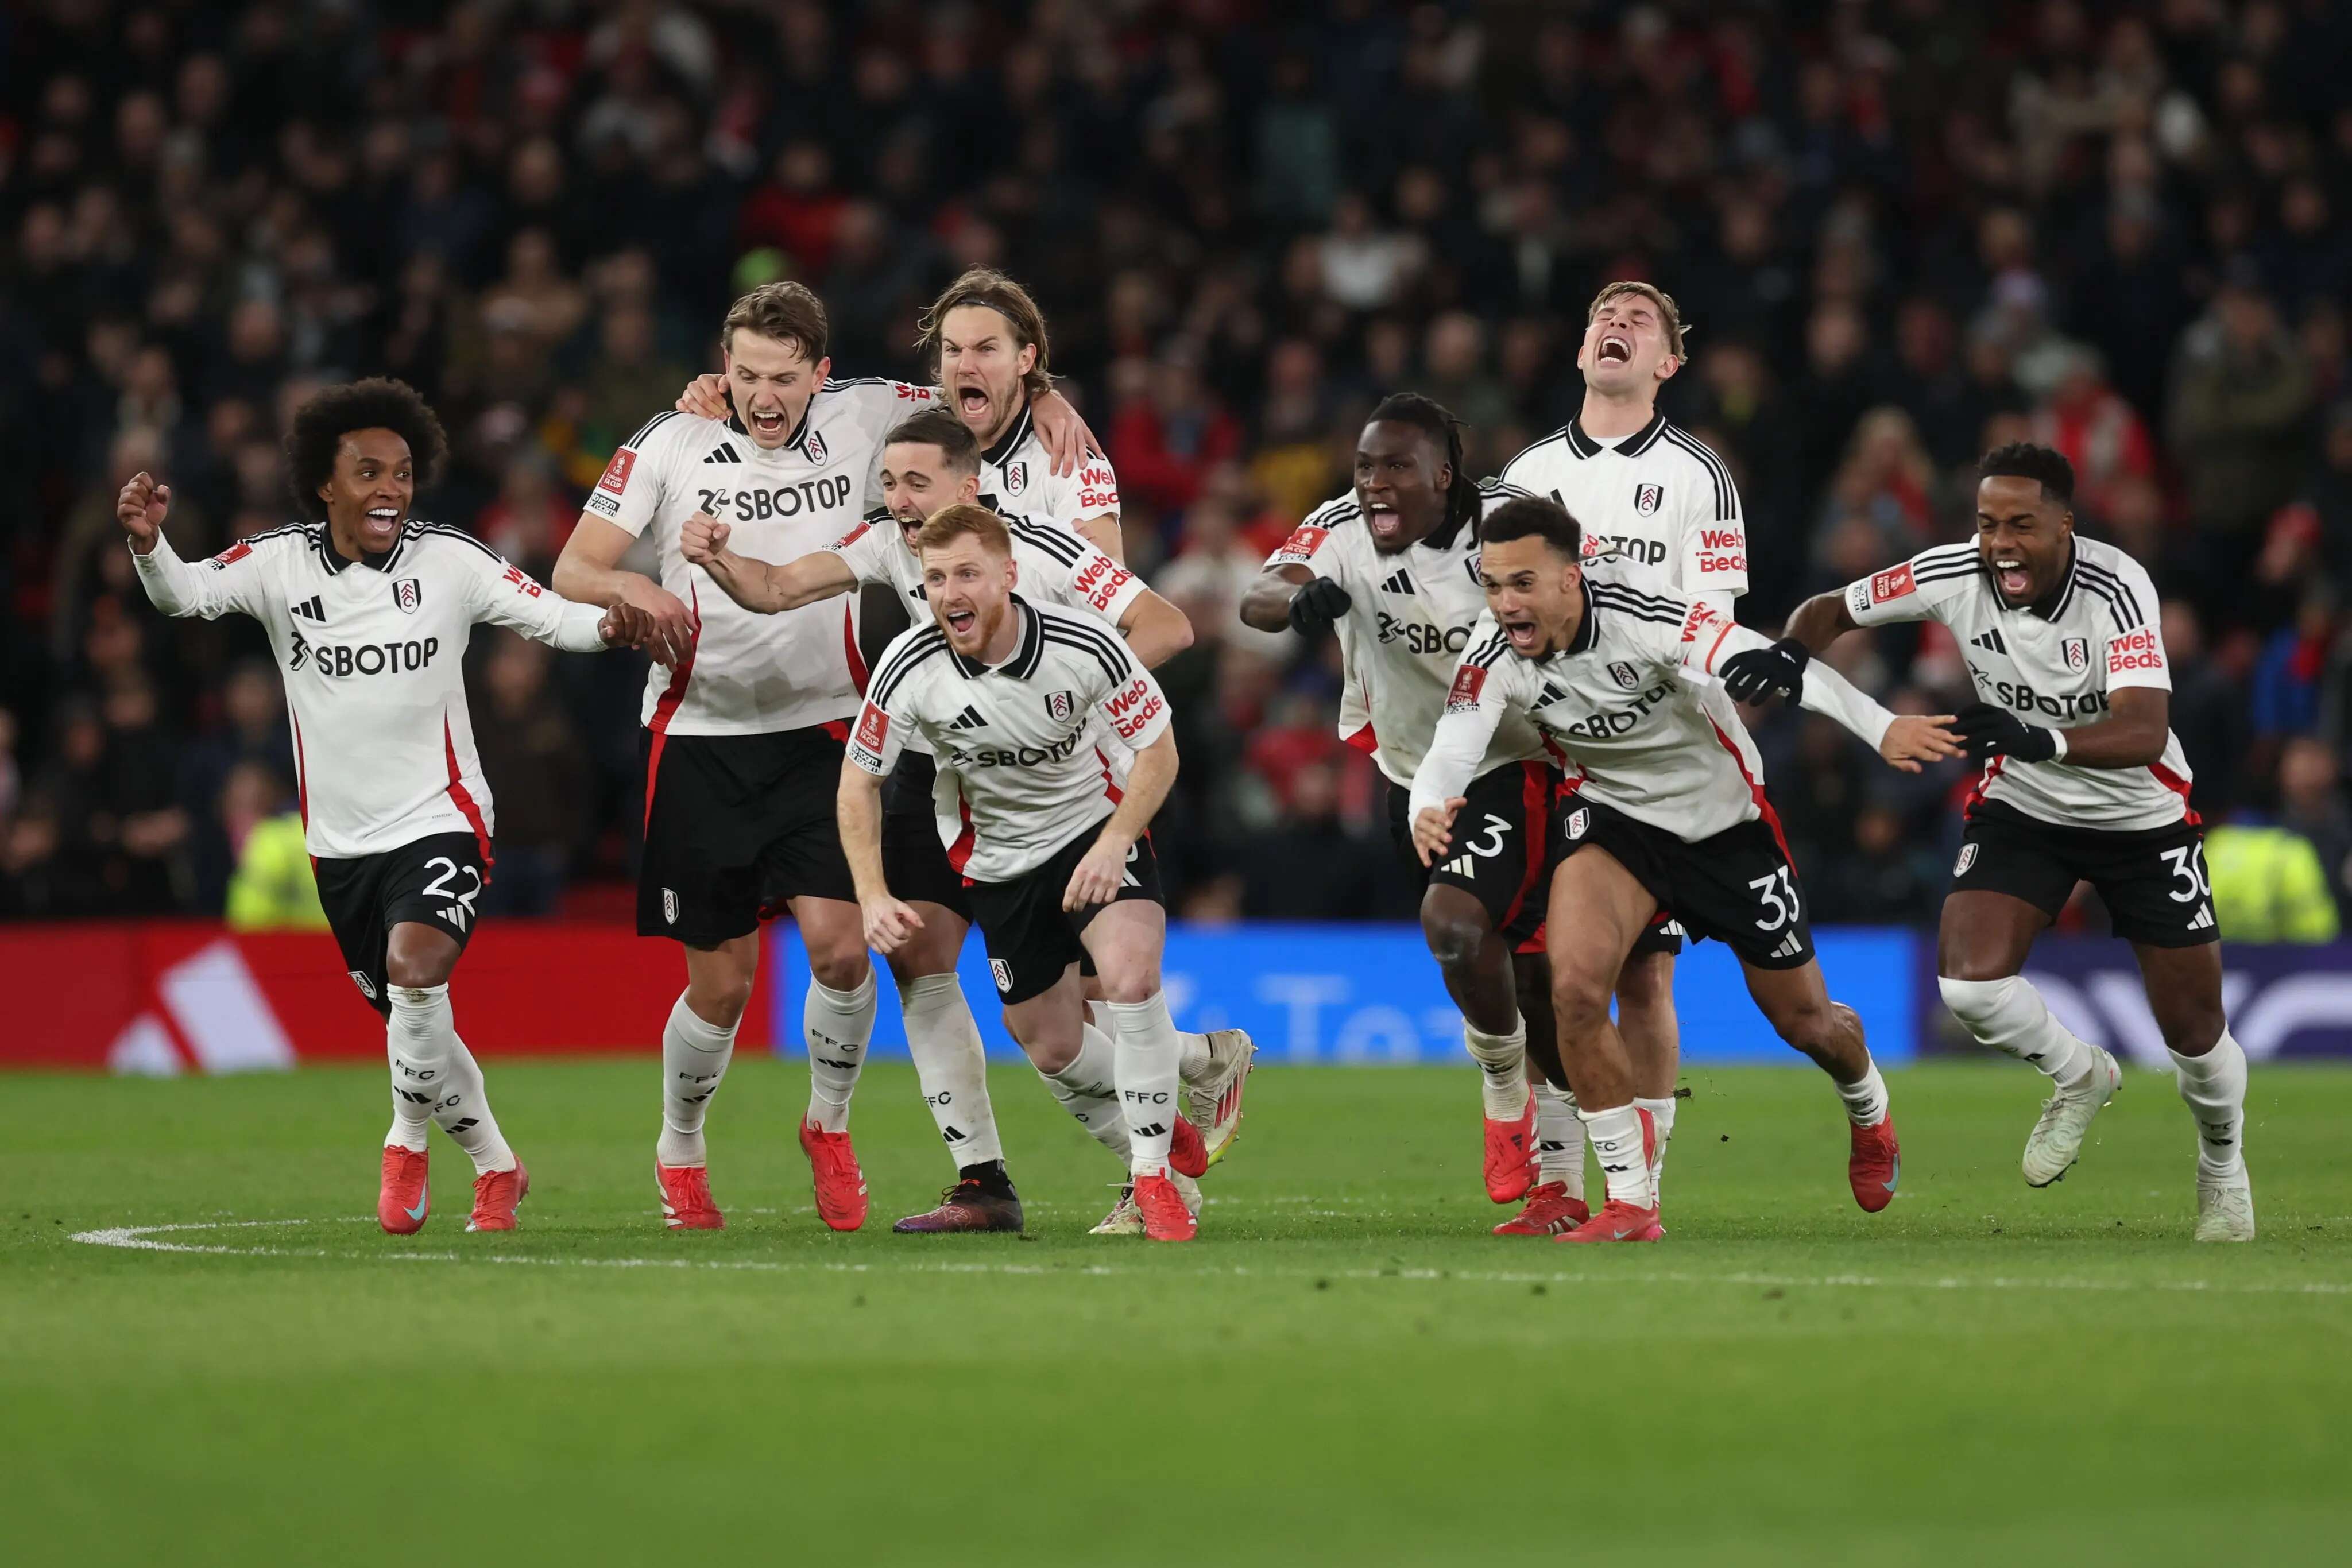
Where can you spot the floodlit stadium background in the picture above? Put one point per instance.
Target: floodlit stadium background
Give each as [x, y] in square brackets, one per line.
[1901, 233]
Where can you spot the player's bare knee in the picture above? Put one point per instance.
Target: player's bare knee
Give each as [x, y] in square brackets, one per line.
[1579, 1004]
[2190, 1026]
[408, 967]
[1454, 935]
[1129, 982]
[840, 963]
[718, 999]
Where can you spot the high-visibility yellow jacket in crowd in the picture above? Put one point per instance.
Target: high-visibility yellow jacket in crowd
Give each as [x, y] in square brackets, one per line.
[272, 888]
[2268, 885]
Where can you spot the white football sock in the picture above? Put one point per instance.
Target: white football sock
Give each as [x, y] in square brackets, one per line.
[1624, 1139]
[1148, 1080]
[1662, 1118]
[951, 1065]
[837, 1024]
[1089, 1089]
[1193, 1064]
[2214, 1086]
[694, 1054]
[427, 1058]
[1503, 1059]
[1559, 1141]
[1866, 1102]
[2010, 1015]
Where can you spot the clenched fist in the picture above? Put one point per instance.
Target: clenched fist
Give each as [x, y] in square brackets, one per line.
[703, 538]
[140, 509]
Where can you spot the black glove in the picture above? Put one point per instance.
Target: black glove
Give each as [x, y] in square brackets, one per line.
[1316, 606]
[1758, 673]
[1987, 731]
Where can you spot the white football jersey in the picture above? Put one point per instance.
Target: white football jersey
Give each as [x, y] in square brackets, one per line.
[752, 674]
[2100, 634]
[1407, 624]
[1658, 500]
[373, 657]
[1025, 765]
[1636, 733]
[1016, 475]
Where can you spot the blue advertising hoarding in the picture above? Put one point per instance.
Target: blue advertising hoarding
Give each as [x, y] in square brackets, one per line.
[1370, 995]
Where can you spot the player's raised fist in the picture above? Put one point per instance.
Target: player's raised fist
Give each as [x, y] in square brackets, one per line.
[706, 396]
[141, 509]
[703, 538]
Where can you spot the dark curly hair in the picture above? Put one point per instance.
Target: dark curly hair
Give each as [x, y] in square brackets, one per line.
[376, 403]
[2024, 460]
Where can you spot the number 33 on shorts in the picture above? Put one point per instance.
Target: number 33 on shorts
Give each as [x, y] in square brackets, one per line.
[1778, 893]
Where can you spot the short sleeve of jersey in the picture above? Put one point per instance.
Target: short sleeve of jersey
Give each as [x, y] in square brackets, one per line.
[865, 552]
[1312, 544]
[2135, 649]
[634, 483]
[880, 733]
[1713, 555]
[1132, 703]
[1916, 590]
[879, 403]
[1102, 586]
[1089, 493]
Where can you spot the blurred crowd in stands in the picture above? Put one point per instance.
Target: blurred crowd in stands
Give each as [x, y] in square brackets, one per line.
[1902, 231]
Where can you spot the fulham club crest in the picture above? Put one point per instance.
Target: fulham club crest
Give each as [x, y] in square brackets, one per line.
[1578, 821]
[815, 447]
[1646, 499]
[1058, 705]
[670, 904]
[408, 593]
[1017, 477]
[1967, 857]
[2078, 653]
[1622, 673]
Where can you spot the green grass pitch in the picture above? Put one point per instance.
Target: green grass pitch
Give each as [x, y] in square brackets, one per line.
[1344, 1368]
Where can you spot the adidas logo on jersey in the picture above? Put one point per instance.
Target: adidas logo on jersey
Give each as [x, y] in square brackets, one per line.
[1461, 865]
[1991, 642]
[1790, 947]
[308, 610]
[724, 453]
[968, 719]
[2203, 919]
[1400, 583]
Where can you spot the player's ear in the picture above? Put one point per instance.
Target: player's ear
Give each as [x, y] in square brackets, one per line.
[823, 371]
[1026, 360]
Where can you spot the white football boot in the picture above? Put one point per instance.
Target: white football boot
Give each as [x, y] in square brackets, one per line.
[2056, 1140]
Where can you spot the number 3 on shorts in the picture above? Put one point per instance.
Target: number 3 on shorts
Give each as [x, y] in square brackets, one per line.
[1778, 893]
[2188, 868]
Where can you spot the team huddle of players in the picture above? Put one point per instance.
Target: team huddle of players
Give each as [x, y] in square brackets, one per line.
[1544, 667]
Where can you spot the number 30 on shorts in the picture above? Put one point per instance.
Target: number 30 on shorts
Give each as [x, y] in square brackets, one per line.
[2188, 865]
[1778, 893]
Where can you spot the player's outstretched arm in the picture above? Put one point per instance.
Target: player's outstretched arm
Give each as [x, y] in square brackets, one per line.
[589, 572]
[2133, 734]
[1266, 606]
[1474, 705]
[1156, 630]
[766, 587]
[1820, 621]
[232, 581]
[888, 923]
[1096, 877]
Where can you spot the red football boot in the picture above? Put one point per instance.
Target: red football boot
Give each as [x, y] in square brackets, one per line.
[1874, 1166]
[1166, 1217]
[1618, 1222]
[840, 1185]
[404, 1199]
[1548, 1212]
[1511, 1156]
[685, 1199]
[496, 1195]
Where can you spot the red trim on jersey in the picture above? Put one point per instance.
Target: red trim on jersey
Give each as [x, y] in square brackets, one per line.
[1755, 792]
[1110, 790]
[857, 671]
[1977, 791]
[1365, 741]
[837, 727]
[959, 851]
[2178, 786]
[463, 798]
[1535, 802]
[1708, 662]
[301, 777]
[666, 707]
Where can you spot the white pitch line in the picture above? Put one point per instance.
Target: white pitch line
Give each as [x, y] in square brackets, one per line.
[141, 1238]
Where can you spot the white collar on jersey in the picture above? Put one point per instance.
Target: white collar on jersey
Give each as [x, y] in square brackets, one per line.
[334, 560]
[1015, 435]
[1587, 630]
[798, 441]
[1026, 658]
[1634, 446]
